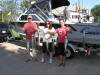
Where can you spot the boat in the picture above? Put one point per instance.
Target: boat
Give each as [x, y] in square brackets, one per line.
[41, 10]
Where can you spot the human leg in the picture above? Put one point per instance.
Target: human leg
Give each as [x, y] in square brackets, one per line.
[51, 54]
[43, 52]
[63, 57]
[62, 54]
[27, 45]
[29, 57]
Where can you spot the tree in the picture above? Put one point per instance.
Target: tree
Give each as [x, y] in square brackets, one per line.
[9, 6]
[0, 16]
[1, 12]
[25, 5]
[96, 13]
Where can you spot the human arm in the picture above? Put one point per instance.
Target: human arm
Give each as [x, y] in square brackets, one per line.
[34, 27]
[24, 28]
[52, 32]
[68, 30]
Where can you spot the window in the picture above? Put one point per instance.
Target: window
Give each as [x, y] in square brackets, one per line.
[24, 18]
[90, 31]
[42, 9]
[44, 6]
[93, 32]
[31, 11]
[34, 18]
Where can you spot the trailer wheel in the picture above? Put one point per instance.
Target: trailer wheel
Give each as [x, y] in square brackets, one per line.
[69, 53]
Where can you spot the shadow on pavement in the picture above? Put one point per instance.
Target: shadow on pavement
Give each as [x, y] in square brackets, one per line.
[12, 57]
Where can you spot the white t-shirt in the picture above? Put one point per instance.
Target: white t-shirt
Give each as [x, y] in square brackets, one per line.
[47, 36]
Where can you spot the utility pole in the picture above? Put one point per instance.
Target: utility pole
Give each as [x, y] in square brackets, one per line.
[82, 6]
[79, 10]
[79, 5]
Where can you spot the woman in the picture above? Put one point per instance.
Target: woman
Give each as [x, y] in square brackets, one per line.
[47, 41]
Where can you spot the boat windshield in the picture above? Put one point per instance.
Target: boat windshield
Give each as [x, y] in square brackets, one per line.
[42, 9]
[44, 6]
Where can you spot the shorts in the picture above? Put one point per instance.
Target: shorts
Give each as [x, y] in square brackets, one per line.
[45, 48]
[61, 49]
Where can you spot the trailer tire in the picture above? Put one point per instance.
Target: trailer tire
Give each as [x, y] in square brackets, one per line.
[69, 53]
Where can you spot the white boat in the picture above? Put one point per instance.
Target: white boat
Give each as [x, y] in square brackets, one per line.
[41, 10]
[84, 35]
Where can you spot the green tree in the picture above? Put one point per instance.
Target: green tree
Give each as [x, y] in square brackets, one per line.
[9, 6]
[25, 4]
[0, 16]
[96, 13]
[1, 10]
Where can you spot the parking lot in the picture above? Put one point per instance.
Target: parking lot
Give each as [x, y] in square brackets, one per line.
[12, 57]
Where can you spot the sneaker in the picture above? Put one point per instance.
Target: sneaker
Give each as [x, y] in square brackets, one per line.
[60, 64]
[63, 64]
[28, 60]
[50, 61]
[42, 60]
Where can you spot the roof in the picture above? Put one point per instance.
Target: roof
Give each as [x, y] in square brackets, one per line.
[56, 3]
[59, 3]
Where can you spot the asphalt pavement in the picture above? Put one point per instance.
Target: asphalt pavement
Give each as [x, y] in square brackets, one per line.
[13, 56]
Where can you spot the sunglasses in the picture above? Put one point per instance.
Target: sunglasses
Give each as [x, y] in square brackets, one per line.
[29, 18]
[47, 23]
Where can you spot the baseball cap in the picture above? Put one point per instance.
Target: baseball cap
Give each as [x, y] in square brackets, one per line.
[29, 16]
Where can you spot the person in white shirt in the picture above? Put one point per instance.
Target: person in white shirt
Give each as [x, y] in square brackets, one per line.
[47, 41]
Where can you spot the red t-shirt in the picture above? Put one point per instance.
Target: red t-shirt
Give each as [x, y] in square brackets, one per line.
[62, 32]
[30, 28]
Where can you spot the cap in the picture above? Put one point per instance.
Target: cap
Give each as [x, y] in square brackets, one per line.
[29, 16]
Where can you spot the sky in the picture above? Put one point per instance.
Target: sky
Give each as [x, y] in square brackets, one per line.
[88, 4]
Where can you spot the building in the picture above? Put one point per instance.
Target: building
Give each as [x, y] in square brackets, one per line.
[74, 13]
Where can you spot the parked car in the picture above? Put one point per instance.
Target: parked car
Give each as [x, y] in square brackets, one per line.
[4, 32]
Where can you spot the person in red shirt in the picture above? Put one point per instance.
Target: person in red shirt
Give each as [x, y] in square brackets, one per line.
[29, 28]
[62, 33]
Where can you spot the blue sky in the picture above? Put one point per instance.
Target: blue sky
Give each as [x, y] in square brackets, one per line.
[88, 4]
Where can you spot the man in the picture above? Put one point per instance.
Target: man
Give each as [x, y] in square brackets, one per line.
[62, 33]
[29, 28]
